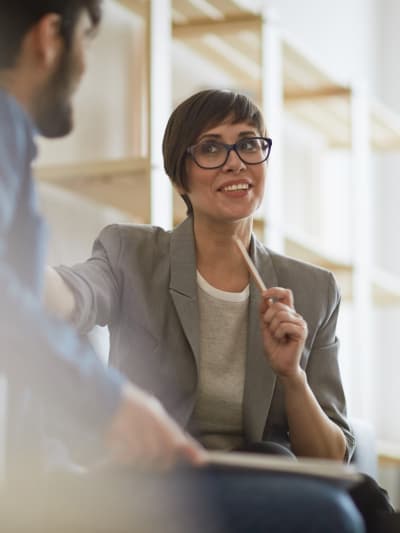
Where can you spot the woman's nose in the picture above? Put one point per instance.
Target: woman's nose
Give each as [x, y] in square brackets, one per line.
[233, 163]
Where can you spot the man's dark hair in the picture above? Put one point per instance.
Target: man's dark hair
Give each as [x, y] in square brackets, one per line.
[17, 17]
[196, 114]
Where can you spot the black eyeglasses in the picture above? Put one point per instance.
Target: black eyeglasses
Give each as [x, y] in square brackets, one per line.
[213, 154]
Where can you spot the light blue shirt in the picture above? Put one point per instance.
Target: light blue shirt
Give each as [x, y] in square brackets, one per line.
[39, 354]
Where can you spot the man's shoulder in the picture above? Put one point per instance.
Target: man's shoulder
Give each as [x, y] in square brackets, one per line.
[16, 132]
[10, 111]
[9, 121]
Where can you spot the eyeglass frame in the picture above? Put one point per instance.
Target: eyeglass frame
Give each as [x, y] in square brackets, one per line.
[229, 148]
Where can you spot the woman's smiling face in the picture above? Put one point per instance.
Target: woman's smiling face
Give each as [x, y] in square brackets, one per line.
[233, 191]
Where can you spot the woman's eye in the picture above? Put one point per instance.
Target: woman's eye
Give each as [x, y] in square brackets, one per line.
[209, 148]
[249, 145]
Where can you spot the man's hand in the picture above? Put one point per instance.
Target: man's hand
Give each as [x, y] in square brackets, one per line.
[143, 435]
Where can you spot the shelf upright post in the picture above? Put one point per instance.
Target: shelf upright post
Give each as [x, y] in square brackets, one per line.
[363, 397]
[159, 35]
[272, 105]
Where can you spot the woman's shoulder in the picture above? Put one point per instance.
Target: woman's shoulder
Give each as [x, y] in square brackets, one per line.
[134, 234]
[134, 243]
[290, 270]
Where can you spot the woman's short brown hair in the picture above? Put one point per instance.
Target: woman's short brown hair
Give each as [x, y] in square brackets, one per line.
[198, 113]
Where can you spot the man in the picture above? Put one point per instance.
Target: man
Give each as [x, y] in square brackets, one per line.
[54, 376]
[42, 58]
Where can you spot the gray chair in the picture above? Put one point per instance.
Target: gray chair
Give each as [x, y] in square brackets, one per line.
[365, 457]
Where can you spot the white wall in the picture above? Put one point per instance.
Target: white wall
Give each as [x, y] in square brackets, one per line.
[342, 35]
[388, 184]
[389, 64]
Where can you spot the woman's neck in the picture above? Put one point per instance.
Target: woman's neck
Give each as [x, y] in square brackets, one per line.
[218, 258]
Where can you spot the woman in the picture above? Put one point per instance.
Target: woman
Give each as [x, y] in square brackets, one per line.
[185, 318]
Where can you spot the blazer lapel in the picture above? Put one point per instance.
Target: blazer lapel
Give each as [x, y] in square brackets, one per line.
[183, 283]
[260, 379]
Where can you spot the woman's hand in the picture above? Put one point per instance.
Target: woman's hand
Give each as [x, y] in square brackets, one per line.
[284, 332]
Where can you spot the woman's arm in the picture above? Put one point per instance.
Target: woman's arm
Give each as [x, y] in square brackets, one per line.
[312, 433]
[88, 293]
[58, 298]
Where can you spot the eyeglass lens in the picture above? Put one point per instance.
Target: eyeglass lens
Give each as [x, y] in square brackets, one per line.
[211, 154]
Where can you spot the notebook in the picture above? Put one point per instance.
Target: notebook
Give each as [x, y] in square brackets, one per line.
[325, 469]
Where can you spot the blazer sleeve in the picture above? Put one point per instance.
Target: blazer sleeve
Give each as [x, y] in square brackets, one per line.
[96, 283]
[323, 370]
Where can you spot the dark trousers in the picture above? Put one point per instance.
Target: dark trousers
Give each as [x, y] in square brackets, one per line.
[374, 505]
[371, 500]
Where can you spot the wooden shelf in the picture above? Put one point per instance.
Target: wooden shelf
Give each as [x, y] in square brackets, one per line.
[388, 453]
[139, 7]
[227, 34]
[123, 183]
[385, 289]
[306, 249]
[92, 169]
[231, 39]
[385, 127]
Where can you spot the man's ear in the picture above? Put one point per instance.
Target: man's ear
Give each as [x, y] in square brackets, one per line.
[47, 39]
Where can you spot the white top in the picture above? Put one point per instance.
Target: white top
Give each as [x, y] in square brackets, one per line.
[218, 416]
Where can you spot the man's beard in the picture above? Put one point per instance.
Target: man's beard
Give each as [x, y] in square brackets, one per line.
[53, 109]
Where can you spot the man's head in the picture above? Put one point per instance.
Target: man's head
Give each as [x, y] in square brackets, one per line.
[42, 56]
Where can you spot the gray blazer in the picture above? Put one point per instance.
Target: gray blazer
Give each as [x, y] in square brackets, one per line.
[141, 282]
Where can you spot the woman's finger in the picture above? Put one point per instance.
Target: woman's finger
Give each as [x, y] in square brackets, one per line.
[290, 330]
[279, 294]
